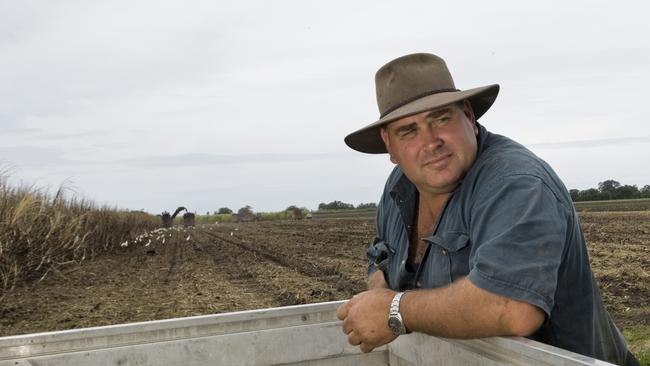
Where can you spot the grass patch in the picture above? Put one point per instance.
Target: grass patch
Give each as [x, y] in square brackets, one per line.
[355, 212]
[638, 340]
[640, 204]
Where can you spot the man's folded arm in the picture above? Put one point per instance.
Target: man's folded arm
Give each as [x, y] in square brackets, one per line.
[463, 310]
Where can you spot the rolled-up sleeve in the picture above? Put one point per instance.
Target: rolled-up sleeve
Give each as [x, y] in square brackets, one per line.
[372, 254]
[518, 230]
[380, 222]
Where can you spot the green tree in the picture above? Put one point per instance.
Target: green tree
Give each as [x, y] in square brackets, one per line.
[575, 193]
[367, 205]
[608, 188]
[224, 210]
[645, 191]
[627, 192]
[335, 205]
[591, 194]
[246, 210]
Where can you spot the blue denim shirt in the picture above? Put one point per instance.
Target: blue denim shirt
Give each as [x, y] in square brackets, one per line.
[511, 228]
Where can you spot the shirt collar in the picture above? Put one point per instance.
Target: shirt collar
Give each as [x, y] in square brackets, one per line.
[481, 139]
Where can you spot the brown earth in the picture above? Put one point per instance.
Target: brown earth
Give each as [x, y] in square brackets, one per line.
[230, 267]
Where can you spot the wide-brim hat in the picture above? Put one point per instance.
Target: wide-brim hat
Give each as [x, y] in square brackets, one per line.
[413, 84]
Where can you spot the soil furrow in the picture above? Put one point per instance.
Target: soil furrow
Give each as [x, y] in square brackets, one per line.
[311, 269]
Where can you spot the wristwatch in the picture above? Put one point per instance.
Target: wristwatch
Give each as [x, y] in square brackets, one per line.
[395, 322]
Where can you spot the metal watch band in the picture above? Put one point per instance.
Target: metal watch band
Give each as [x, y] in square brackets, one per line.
[394, 305]
[395, 321]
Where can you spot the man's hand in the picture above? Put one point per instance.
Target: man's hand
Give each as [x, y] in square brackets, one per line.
[377, 280]
[365, 319]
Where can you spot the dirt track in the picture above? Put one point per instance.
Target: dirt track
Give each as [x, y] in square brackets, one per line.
[230, 267]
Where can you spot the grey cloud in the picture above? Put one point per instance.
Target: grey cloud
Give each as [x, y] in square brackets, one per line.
[20, 131]
[213, 159]
[39, 133]
[65, 136]
[31, 156]
[36, 156]
[590, 143]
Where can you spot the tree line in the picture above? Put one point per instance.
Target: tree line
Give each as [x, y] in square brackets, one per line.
[334, 205]
[610, 190]
[607, 190]
[338, 205]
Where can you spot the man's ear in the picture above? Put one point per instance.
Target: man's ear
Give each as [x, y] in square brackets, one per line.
[469, 113]
[384, 136]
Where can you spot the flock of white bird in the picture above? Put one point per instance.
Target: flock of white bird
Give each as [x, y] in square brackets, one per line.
[157, 236]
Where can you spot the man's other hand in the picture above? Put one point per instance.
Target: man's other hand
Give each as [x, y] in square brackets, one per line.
[377, 280]
[365, 319]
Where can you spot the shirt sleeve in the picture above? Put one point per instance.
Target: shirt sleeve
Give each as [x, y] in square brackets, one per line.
[518, 229]
[373, 251]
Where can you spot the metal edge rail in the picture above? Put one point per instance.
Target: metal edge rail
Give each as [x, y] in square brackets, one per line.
[312, 323]
[86, 339]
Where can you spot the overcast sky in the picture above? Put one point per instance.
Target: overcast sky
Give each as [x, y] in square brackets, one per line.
[155, 104]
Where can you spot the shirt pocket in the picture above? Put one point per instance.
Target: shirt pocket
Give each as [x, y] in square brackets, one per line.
[450, 255]
[383, 256]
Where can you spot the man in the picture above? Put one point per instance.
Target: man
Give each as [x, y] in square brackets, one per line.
[481, 231]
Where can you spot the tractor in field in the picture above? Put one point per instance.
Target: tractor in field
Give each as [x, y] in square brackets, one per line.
[246, 217]
[296, 213]
[188, 217]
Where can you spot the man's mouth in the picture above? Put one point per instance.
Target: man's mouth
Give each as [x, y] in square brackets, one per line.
[437, 161]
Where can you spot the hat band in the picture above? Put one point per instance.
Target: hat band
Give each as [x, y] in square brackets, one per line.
[388, 111]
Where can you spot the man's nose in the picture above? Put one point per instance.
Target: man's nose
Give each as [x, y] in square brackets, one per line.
[430, 138]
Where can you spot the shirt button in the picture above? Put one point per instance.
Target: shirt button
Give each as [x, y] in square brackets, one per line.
[418, 284]
[444, 252]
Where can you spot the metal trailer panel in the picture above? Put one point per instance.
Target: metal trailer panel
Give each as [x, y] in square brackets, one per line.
[294, 335]
[420, 349]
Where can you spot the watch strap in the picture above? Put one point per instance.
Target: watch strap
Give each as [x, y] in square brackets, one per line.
[395, 320]
[394, 305]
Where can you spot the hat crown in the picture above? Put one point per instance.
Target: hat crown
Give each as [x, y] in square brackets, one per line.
[409, 78]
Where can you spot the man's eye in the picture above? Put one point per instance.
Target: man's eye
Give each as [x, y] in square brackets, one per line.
[442, 120]
[408, 132]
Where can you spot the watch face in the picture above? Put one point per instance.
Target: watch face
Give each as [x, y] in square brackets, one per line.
[395, 325]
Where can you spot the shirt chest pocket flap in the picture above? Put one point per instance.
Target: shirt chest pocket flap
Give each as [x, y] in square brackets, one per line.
[451, 251]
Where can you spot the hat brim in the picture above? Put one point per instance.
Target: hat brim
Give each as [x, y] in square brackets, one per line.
[368, 139]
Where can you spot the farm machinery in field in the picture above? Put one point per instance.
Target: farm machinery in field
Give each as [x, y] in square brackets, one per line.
[189, 218]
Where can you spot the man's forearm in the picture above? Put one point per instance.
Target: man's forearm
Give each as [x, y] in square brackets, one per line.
[462, 310]
[377, 280]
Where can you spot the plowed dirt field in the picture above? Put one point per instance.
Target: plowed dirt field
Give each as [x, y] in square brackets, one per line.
[229, 267]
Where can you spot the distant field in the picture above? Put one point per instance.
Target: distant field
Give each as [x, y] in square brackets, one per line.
[641, 204]
[349, 213]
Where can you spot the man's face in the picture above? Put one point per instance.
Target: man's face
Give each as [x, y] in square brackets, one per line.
[434, 148]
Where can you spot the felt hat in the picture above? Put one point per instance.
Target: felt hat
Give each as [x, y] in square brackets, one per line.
[413, 84]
